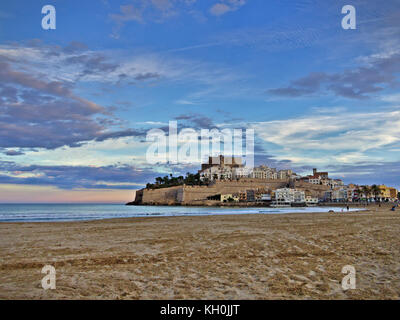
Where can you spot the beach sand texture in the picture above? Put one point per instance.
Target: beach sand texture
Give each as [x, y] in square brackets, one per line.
[292, 256]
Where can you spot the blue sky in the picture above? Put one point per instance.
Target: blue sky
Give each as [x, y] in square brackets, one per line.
[76, 102]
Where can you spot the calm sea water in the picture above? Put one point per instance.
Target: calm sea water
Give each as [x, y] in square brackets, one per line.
[80, 212]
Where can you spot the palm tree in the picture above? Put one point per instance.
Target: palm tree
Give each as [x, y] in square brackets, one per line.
[366, 191]
[166, 180]
[197, 178]
[376, 191]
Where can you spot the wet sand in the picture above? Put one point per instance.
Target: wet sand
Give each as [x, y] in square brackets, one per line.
[291, 256]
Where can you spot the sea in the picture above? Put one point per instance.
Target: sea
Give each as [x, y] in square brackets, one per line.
[87, 212]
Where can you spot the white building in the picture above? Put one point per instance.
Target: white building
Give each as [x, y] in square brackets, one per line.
[288, 195]
[314, 180]
[239, 173]
[217, 173]
[284, 195]
[264, 172]
[339, 195]
[299, 196]
[311, 200]
[334, 183]
[284, 174]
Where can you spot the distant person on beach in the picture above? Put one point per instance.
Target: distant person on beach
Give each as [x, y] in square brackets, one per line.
[348, 208]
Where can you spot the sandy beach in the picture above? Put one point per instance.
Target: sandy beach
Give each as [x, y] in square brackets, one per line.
[291, 256]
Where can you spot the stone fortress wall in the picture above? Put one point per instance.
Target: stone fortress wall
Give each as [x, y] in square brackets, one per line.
[197, 195]
[170, 195]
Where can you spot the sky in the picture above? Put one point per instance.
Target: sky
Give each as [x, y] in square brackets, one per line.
[76, 102]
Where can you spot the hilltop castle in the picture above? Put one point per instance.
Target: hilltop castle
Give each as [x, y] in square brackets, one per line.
[226, 179]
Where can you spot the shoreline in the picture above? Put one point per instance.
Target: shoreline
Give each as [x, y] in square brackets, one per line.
[274, 211]
[129, 219]
[248, 205]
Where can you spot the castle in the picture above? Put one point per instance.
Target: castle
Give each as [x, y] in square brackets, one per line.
[226, 178]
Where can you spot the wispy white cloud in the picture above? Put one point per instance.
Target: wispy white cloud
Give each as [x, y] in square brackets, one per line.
[225, 6]
[185, 102]
[395, 98]
[333, 138]
[115, 66]
[143, 11]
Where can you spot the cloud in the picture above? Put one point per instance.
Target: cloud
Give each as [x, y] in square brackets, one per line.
[74, 47]
[13, 153]
[37, 111]
[129, 13]
[333, 138]
[290, 92]
[109, 67]
[147, 76]
[185, 102]
[394, 98]
[268, 39]
[197, 121]
[54, 88]
[40, 109]
[142, 11]
[221, 8]
[369, 172]
[69, 177]
[75, 177]
[92, 64]
[121, 134]
[359, 83]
